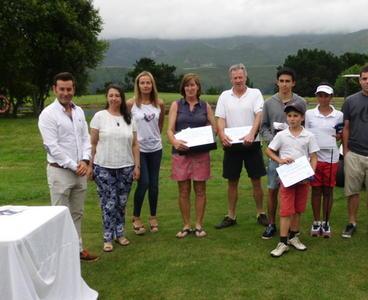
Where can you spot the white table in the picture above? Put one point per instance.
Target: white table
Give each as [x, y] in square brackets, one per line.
[39, 255]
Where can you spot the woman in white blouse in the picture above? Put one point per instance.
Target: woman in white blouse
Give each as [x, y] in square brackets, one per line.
[115, 154]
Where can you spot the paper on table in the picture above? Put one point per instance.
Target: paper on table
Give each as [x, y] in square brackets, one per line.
[295, 172]
[236, 133]
[196, 136]
[325, 137]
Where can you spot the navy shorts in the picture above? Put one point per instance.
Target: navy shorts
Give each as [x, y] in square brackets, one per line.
[252, 158]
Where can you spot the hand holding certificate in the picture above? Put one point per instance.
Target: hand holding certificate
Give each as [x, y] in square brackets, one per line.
[237, 134]
[295, 172]
[198, 139]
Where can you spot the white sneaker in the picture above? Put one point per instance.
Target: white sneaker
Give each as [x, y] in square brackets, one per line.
[297, 244]
[279, 250]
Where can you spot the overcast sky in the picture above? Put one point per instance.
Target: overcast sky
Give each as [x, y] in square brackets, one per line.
[173, 19]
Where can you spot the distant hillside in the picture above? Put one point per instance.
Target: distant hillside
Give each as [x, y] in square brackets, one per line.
[212, 57]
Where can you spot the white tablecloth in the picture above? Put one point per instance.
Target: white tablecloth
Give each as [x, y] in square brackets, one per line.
[39, 256]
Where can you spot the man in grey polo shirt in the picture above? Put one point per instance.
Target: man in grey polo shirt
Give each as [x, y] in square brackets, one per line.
[355, 145]
[273, 112]
[65, 137]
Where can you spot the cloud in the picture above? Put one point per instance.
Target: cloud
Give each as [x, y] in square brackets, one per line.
[178, 19]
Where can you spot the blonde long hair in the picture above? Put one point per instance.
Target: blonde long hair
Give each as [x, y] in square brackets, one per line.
[137, 91]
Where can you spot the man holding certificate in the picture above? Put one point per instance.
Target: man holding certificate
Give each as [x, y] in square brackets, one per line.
[239, 113]
[289, 145]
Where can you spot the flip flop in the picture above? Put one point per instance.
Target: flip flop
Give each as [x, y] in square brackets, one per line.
[153, 224]
[200, 233]
[183, 233]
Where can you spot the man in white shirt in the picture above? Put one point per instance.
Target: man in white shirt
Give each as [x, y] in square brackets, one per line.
[65, 137]
[237, 107]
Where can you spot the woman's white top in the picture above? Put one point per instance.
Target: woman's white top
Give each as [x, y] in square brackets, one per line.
[146, 118]
[115, 140]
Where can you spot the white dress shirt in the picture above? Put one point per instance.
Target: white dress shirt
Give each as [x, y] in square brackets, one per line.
[65, 138]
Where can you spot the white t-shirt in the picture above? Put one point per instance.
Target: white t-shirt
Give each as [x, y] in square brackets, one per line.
[241, 111]
[114, 147]
[292, 146]
[314, 119]
[146, 118]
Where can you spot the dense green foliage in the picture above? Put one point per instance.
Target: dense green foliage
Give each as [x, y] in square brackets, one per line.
[41, 38]
[313, 66]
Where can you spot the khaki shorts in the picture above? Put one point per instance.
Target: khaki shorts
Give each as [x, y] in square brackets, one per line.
[356, 173]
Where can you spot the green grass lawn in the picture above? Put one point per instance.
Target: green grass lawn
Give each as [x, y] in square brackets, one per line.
[233, 263]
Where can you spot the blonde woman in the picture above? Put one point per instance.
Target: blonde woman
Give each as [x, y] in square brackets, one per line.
[148, 112]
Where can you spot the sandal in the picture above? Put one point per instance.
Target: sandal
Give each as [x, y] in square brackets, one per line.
[183, 233]
[108, 247]
[138, 227]
[153, 224]
[200, 233]
[122, 241]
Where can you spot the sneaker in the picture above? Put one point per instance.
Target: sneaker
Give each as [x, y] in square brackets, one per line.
[326, 230]
[262, 219]
[297, 244]
[316, 229]
[269, 232]
[226, 222]
[349, 230]
[280, 249]
[86, 256]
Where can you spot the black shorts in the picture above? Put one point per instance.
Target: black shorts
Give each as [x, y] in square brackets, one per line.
[253, 162]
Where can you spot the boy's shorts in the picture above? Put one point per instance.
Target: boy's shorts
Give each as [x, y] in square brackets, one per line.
[325, 174]
[252, 158]
[273, 180]
[194, 166]
[293, 199]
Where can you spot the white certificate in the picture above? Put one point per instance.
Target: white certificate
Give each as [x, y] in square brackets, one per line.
[196, 136]
[236, 134]
[325, 137]
[295, 172]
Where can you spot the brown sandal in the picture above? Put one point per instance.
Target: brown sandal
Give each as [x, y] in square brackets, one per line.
[138, 227]
[153, 224]
[108, 247]
[122, 241]
[183, 233]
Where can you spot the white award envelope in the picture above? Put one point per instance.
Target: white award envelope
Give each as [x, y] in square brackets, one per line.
[196, 136]
[236, 133]
[295, 172]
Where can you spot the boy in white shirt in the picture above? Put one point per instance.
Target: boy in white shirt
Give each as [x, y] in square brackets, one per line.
[288, 145]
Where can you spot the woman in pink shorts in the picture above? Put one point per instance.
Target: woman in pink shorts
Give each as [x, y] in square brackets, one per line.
[190, 111]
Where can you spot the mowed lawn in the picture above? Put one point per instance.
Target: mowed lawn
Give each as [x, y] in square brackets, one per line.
[233, 263]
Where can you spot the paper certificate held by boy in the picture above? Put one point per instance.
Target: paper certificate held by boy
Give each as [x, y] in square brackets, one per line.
[295, 172]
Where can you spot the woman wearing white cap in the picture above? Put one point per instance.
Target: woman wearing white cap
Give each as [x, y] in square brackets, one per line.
[323, 121]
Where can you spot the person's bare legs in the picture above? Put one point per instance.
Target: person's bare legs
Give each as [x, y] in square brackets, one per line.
[316, 202]
[272, 205]
[258, 194]
[200, 201]
[184, 201]
[232, 196]
[353, 205]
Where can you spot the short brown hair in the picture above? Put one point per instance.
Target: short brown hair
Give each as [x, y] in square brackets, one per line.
[364, 69]
[64, 76]
[188, 77]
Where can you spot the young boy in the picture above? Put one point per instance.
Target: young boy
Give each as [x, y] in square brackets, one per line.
[324, 117]
[288, 145]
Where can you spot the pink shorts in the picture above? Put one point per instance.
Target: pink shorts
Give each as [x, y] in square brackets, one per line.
[195, 166]
[293, 199]
[325, 174]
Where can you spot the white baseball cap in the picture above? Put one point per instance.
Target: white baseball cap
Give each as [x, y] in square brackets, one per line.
[324, 89]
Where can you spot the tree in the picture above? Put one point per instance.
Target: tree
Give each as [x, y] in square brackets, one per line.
[350, 59]
[164, 74]
[312, 67]
[41, 38]
[346, 85]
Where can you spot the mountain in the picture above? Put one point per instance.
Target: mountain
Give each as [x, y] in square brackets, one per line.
[210, 58]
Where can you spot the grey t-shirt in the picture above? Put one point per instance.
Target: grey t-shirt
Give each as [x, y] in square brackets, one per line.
[273, 111]
[355, 110]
